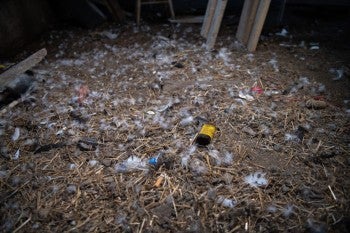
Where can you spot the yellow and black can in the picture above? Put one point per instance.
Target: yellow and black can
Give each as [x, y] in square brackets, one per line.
[205, 135]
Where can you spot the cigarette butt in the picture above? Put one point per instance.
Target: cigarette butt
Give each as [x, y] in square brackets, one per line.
[159, 181]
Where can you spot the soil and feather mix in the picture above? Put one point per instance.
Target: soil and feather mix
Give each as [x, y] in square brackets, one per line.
[105, 142]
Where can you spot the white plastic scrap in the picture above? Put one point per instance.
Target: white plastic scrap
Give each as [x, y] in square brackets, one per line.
[245, 95]
[16, 134]
[291, 137]
[256, 179]
[283, 33]
[226, 202]
[131, 164]
[314, 46]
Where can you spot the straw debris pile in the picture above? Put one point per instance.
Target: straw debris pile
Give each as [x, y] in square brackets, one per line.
[76, 151]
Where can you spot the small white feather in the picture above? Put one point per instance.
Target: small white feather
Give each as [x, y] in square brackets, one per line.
[288, 211]
[226, 202]
[71, 166]
[93, 163]
[228, 158]
[71, 188]
[16, 134]
[256, 179]
[291, 137]
[186, 121]
[215, 154]
[16, 155]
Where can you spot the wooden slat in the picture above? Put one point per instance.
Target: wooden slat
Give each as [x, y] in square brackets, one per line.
[208, 17]
[258, 24]
[216, 22]
[8, 75]
[246, 20]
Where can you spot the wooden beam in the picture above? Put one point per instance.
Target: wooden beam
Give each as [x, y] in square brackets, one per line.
[216, 23]
[258, 24]
[8, 75]
[208, 17]
[246, 20]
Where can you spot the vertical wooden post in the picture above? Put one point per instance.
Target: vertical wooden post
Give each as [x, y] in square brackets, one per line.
[281, 12]
[258, 24]
[208, 17]
[246, 20]
[216, 22]
[171, 9]
[114, 7]
[138, 12]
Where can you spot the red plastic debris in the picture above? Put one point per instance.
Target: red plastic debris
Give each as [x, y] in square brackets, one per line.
[257, 90]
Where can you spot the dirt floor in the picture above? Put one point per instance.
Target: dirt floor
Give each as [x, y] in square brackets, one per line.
[76, 151]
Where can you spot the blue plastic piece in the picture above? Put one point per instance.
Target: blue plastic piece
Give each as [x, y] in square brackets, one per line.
[153, 161]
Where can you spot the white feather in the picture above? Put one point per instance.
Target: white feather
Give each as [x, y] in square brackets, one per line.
[291, 137]
[16, 155]
[288, 211]
[16, 134]
[186, 121]
[93, 163]
[215, 154]
[256, 179]
[226, 202]
[228, 158]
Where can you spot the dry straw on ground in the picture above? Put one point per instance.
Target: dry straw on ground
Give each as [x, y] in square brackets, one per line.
[103, 107]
